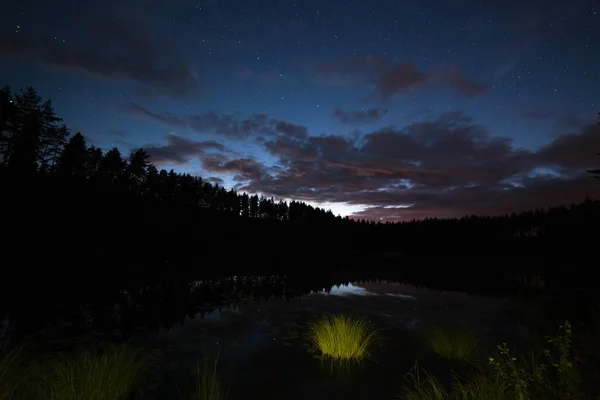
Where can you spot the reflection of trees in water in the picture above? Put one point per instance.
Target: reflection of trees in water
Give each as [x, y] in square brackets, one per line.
[116, 311]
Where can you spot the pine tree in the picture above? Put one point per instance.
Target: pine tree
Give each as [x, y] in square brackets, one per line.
[25, 141]
[53, 137]
[137, 169]
[8, 114]
[111, 166]
[73, 160]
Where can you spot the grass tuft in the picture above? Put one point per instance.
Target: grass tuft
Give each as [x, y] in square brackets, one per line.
[453, 343]
[110, 375]
[481, 386]
[205, 382]
[343, 338]
[11, 373]
[426, 387]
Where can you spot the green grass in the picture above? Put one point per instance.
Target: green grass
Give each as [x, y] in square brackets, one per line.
[342, 338]
[481, 385]
[205, 382]
[110, 375]
[453, 343]
[423, 386]
[11, 373]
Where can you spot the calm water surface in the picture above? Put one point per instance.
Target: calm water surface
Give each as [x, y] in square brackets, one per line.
[263, 351]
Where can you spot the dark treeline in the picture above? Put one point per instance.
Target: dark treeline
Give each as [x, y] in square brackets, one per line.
[69, 207]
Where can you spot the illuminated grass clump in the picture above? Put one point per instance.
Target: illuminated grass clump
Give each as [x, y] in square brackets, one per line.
[453, 343]
[342, 338]
[110, 375]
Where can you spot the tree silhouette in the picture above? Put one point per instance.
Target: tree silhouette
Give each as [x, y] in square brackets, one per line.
[245, 205]
[93, 160]
[8, 118]
[73, 160]
[25, 140]
[112, 165]
[254, 206]
[53, 136]
[137, 169]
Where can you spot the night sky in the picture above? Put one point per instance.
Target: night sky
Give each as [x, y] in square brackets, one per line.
[382, 109]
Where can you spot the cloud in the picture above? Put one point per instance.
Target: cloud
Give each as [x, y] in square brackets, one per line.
[359, 117]
[535, 192]
[446, 167]
[141, 111]
[572, 152]
[216, 179]
[242, 169]
[108, 47]
[230, 126]
[179, 150]
[564, 120]
[389, 80]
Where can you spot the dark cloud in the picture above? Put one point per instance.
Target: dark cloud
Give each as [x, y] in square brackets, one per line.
[291, 130]
[359, 117]
[534, 192]
[564, 120]
[389, 80]
[141, 111]
[574, 151]
[242, 169]
[179, 150]
[215, 179]
[449, 166]
[107, 46]
[231, 126]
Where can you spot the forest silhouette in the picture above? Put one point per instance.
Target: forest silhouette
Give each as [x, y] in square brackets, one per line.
[72, 208]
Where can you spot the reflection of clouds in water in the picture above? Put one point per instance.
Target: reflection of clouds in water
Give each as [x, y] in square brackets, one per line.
[401, 296]
[353, 289]
[218, 315]
[349, 289]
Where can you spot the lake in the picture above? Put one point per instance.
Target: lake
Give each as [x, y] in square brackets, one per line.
[257, 327]
[263, 350]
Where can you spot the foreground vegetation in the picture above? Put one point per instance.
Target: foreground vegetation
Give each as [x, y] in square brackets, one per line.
[551, 372]
[110, 374]
[113, 373]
